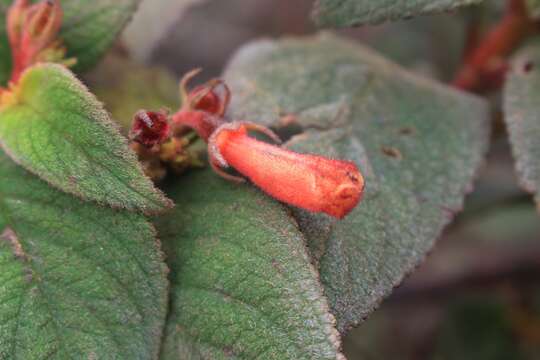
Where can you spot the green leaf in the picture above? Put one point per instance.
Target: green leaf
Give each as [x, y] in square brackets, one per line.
[89, 28]
[77, 281]
[242, 283]
[343, 13]
[55, 128]
[418, 144]
[522, 116]
[479, 256]
[429, 45]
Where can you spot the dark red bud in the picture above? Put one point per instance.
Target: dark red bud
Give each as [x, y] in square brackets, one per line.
[150, 128]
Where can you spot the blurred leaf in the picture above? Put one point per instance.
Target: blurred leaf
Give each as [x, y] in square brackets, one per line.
[150, 24]
[482, 248]
[125, 87]
[418, 144]
[533, 6]
[505, 224]
[493, 256]
[407, 328]
[343, 13]
[243, 286]
[497, 182]
[522, 116]
[55, 128]
[477, 328]
[477, 325]
[490, 254]
[77, 281]
[89, 28]
[430, 45]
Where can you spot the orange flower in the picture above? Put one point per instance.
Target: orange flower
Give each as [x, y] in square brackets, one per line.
[314, 183]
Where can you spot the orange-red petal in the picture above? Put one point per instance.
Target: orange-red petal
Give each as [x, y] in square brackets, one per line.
[311, 182]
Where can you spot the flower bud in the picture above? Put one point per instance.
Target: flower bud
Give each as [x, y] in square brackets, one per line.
[33, 34]
[150, 128]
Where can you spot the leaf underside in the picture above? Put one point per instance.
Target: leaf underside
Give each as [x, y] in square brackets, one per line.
[57, 129]
[418, 144]
[77, 281]
[344, 13]
[521, 104]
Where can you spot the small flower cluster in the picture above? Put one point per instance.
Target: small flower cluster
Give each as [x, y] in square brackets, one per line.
[162, 146]
[311, 182]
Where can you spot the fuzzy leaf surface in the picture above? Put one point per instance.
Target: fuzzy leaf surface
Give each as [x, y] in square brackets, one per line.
[418, 144]
[344, 13]
[243, 286]
[77, 281]
[56, 129]
[88, 30]
[522, 116]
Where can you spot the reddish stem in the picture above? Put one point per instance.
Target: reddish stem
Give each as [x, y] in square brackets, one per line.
[484, 68]
[202, 122]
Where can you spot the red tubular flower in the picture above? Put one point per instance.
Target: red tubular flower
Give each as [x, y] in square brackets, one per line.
[310, 182]
[32, 32]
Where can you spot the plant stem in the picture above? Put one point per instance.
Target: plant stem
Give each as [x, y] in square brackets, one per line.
[484, 67]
